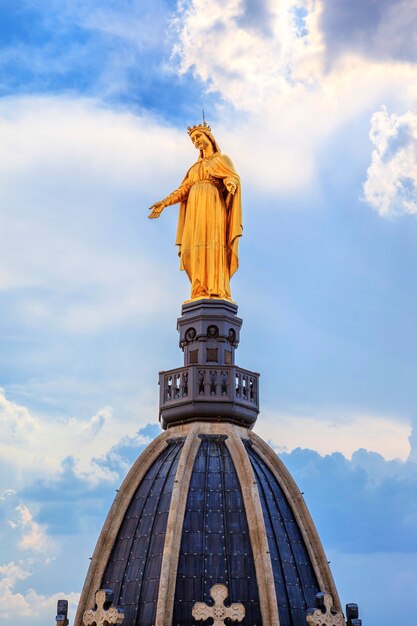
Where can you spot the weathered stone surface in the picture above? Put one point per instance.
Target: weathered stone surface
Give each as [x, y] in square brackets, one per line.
[103, 614]
[324, 614]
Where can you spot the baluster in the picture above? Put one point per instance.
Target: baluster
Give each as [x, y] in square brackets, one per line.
[213, 378]
[245, 387]
[168, 387]
[185, 384]
[223, 383]
[238, 384]
[177, 380]
[252, 389]
[201, 381]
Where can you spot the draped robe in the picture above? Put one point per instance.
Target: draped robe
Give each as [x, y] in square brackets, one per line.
[209, 225]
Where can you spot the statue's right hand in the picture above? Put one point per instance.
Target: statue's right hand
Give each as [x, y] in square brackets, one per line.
[156, 209]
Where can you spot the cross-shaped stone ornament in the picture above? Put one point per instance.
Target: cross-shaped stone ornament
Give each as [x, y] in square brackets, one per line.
[324, 614]
[103, 614]
[219, 612]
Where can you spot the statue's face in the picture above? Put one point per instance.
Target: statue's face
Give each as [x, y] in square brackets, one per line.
[200, 140]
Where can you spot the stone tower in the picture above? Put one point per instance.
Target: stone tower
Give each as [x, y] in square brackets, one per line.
[209, 527]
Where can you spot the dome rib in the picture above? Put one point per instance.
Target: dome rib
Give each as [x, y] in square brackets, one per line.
[301, 514]
[134, 567]
[174, 528]
[215, 545]
[114, 520]
[296, 584]
[257, 530]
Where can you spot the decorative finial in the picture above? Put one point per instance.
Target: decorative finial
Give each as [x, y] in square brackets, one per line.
[62, 613]
[352, 615]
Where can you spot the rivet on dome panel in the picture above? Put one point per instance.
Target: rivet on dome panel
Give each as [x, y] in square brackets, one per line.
[215, 546]
[134, 567]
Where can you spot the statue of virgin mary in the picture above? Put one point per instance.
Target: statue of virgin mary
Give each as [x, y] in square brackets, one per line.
[210, 218]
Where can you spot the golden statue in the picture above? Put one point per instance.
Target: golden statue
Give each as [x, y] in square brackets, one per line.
[210, 218]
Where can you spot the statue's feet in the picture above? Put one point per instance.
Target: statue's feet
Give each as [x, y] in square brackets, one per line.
[199, 291]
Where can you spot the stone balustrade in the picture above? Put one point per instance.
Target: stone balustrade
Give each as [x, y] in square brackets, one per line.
[209, 392]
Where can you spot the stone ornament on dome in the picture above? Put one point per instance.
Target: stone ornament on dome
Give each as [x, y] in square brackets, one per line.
[324, 614]
[219, 612]
[103, 614]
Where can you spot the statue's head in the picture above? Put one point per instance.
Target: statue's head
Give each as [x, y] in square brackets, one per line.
[200, 134]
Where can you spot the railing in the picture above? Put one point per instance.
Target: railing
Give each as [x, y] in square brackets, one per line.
[216, 383]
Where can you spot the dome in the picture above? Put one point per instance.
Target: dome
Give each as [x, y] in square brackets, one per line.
[208, 524]
[208, 504]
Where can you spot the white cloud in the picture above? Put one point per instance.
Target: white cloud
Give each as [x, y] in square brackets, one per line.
[247, 60]
[17, 606]
[287, 101]
[16, 422]
[33, 535]
[342, 430]
[96, 144]
[7, 493]
[256, 65]
[76, 180]
[391, 185]
[413, 444]
[10, 602]
[39, 450]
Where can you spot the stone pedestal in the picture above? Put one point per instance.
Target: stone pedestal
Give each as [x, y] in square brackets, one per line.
[209, 386]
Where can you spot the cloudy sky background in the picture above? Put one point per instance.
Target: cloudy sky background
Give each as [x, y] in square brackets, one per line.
[315, 102]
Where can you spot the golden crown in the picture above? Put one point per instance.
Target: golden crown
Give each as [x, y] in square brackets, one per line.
[203, 126]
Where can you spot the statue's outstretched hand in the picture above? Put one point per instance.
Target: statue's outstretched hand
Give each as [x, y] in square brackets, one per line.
[156, 209]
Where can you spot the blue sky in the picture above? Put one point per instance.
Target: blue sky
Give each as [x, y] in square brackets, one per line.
[315, 102]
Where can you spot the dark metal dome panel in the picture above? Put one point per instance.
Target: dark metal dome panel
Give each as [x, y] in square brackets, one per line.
[295, 581]
[134, 567]
[215, 546]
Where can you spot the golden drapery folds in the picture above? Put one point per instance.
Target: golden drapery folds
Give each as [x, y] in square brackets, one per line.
[209, 223]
